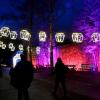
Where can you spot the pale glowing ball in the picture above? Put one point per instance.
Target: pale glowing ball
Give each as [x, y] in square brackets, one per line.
[42, 36]
[60, 37]
[77, 37]
[95, 37]
[25, 35]
[5, 31]
[13, 35]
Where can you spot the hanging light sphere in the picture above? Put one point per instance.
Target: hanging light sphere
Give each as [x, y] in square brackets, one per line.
[5, 31]
[3, 46]
[25, 35]
[42, 36]
[77, 37]
[21, 47]
[10, 45]
[28, 48]
[0, 33]
[1, 43]
[95, 37]
[13, 35]
[60, 37]
[37, 50]
[13, 48]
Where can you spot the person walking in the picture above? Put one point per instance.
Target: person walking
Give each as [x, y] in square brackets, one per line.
[21, 77]
[59, 72]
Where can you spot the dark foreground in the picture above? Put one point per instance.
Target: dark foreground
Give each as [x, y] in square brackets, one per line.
[80, 86]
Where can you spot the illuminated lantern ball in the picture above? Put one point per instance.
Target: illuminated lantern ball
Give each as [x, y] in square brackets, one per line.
[1, 43]
[28, 48]
[10, 45]
[13, 48]
[3, 46]
[60, 37]
[95, 37]
[25, 35]
[77, 37]
[42, 36]
[21, 47]
[0, 33]
[13, 35]
[5, 31]
[37, 50]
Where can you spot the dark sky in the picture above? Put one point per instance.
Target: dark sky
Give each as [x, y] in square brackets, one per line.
[18, 14]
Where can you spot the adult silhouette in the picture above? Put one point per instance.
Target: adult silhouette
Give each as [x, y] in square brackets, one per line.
[21, 77]
[59, 72]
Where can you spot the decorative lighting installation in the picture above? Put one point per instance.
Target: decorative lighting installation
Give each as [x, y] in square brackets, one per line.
[77, 37]
[3, 46]
[13, 35]
[21, 47]
[37, 50]
[5, 31]
[95, 37]
[42, 36]
[1, 43]
[25, 35]
[13, 48]
[10, 45]
[0, 33]
[60, 37]
[28, 48]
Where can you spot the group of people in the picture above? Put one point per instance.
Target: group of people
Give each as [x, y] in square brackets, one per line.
[22, 76]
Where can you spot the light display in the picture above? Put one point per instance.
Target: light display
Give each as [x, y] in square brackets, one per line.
[25, 35]
[28, 48]
[42, 36]
[3, 46]
[21, 47]
[95, 37]
[0, 33]
[60, 37]
[5, 31]
[1, 43]
[13, 48]
[77, 37]
[13, 35]
[37, 50]
[10, 45]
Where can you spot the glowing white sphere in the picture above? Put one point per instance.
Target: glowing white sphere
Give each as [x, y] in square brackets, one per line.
[28, 48]
[25, 35]
[13, 35]
[3, 46]
[42, 36]
[1, 43]
[5, 31]
[1, 33]
[60, 37]
[95, 37]
[37, 50]
[10, 45]
[13, 48]
[21, 47]
[77, 37]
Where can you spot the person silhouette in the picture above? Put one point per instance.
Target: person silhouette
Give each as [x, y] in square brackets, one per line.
[21, 77]
[59, 72]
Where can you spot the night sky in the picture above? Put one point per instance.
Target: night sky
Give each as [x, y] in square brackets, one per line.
[18, 14]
